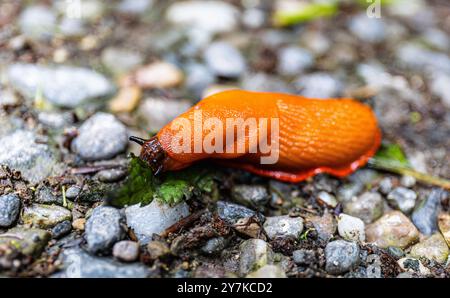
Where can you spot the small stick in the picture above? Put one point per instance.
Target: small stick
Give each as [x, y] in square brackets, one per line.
[182, 223]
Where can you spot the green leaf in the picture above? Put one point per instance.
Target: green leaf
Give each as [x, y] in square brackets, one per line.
[392, 153]
[139, 186]
[305, 12]
[172, 188]
[173, 192]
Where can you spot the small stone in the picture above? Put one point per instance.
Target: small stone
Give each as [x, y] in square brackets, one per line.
[283, 226]
[20, 151]
[253, 18]
[374, 266]
[327, 199]
[254, 254]
[341, 256]
[76, 263]
[367, 29]
[439, 86]
[100, 137]
[30, 242]
[222, 16]
[79, 224]
[268, 271]
[71, 27]
[444, 226]
[37, 22]
[134, 6]
[421, 59]
[126, 101]
[348, 191]
[45, 216]
[434, 248]
[351, 228]
[224, 60]
[103, 229]
[121, 61]
[319, 85]
[392, 229]
[426, 213]
[63, 86]
[153, 218]
[56, 120]
[396, 252]
[61, 229]
[126, 251]
[45, 195]
[402, 198]
[263, 82]
[72, 192]
[9, 210]
[214, 246]
[437, 39]
[408, 181]
[198, 78]
[368, 207]
[158, 75]
[413, 265]
[294, 60]
[157, 249]
[157, 112]
[111, 175]
[252, 195]
[231, 213]
[304, 257]
[386, 185]
[324, 225]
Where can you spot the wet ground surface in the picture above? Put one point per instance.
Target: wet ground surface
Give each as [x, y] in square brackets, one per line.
[77, 80]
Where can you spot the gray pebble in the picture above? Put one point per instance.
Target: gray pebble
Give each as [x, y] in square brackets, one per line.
[62, 229]
[283, 226]
[402, 198]
[9, 210]
[214, 246]
[425, 215]
[319, 85]
[112, 175]
[341, 256]
[304, 257]
[100, 137]
[231, 213]
[224, 60]
[103, 229]
[252, 195]
[127, 251]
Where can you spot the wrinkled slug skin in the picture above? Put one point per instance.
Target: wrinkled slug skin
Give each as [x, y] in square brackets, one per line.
[334, 136]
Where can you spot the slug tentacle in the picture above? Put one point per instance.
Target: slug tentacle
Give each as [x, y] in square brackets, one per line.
[152, 153]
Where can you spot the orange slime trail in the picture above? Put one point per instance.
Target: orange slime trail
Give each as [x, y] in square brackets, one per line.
[334, 136]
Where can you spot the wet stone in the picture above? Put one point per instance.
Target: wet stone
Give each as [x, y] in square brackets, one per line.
[253, 195]
[72, 192]
[21, 152]
[153, 218]
[30, 242]
[392, 229]
[327, 199]
[324, 225]
[63, 86]
[231, 213]
[100, 137]
[103, 229]
[45, 216]
[112, 175]
[283, 226]
[126, 251]
[61, 229]
[351, 228]
[304, 257]
[319, 85]
[224, 60]
[425, 215]
[434, 248]
[76, 263]
[268, 271]
[214, 246]
[45, 195]
[9, 210]
[254, 254]
[341, 256]
[368, 207]
[402, 198]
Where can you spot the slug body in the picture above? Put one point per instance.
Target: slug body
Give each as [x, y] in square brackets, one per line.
[334, 136]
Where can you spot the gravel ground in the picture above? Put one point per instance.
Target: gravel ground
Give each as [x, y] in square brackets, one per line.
[77, 81]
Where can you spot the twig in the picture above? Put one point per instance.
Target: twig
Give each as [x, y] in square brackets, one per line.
[182, 223]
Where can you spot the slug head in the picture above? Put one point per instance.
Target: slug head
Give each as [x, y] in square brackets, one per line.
[152, 153]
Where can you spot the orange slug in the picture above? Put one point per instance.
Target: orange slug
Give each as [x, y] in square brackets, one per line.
[238, 128]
